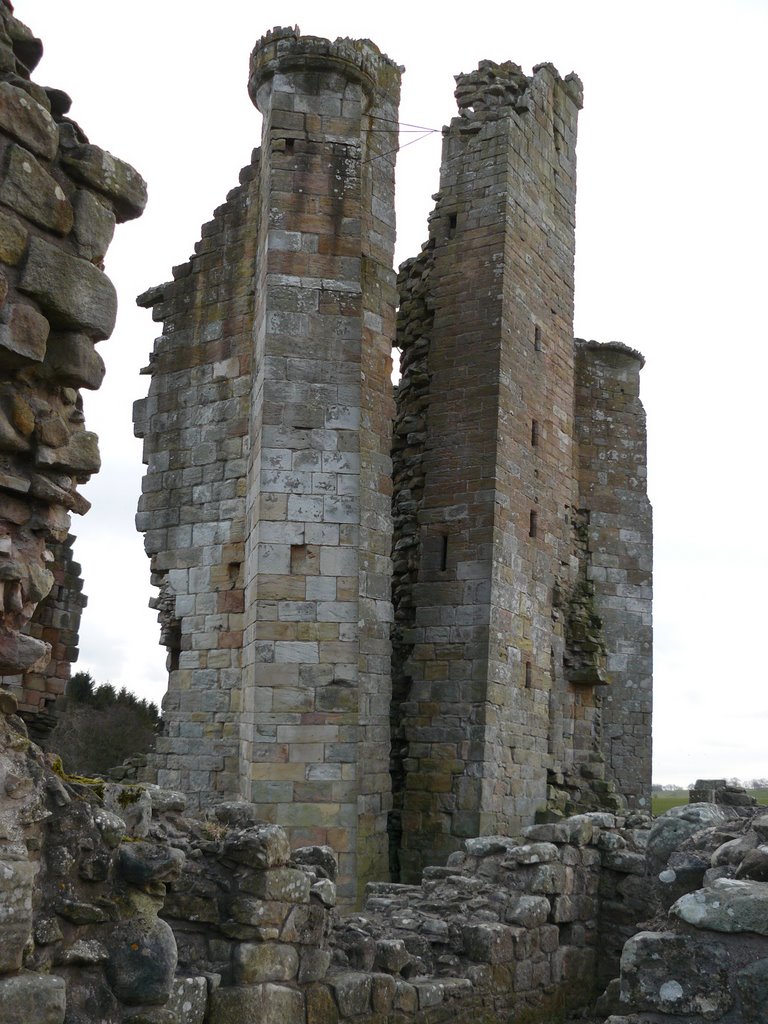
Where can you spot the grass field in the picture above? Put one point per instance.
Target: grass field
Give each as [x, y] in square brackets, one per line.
[663, 801]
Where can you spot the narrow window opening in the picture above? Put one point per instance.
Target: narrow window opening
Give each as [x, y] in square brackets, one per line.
[452, 217]
[444, 552]
[534, 525]
[289, 145]
[528, 675]
[537, 337]
[534, 433]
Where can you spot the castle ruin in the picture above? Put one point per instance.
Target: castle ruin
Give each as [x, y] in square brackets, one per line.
[396, 622]
[466, 653]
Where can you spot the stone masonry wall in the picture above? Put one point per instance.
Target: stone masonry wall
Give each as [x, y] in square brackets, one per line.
[118, 908]
[267, 436]
[60, 198]
[56, 621]
[485, 489]
[613, 488]
[315, 723]
[194, 422]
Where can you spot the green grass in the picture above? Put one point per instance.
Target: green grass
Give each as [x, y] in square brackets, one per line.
[662, 802]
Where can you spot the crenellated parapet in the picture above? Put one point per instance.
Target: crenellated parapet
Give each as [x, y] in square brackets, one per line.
[286, 50]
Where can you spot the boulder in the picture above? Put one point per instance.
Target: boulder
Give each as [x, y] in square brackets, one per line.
[674, 974]
[728, 905]
[27, 998]
[142, 961]
[672, 828]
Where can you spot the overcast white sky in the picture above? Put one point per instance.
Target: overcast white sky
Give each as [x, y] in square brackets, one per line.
[671, 259]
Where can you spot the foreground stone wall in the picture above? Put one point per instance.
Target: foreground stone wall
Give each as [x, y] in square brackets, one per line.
[60, 198]
[703, 956]
[117, 907]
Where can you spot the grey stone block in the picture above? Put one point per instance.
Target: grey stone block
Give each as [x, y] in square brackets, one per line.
[72, 292]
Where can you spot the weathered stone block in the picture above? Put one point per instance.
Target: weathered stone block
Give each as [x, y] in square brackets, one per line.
[325, 890]
[489, 943]
[318, 857]
[528, 911]
[282, 1005]
[16, 878]
[31, 191]
[383, 992]
[532, 853]
[142, 961]
[32, 997]
[144, 863]
[313, 964]
[282, 884]
[352, 991]
[72, 292]
[321, 1006]
[675, 974]
[74, 361]
[13, 238]
[268, 961]
[23, 336]
[406, 997]
[728, 905]
[752, 985]
[29, 122]
[116, 179]
[429, 993]
[94, 225]
[625, 861]
[235, 1004]
[392, 954]
[261, 846]
[79, 456]
[672, 828]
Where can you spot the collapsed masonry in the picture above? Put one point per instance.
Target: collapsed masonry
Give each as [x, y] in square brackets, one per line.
[456, 662]
[60, 198]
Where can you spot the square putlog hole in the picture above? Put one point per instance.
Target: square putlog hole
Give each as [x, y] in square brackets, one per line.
[305, 560]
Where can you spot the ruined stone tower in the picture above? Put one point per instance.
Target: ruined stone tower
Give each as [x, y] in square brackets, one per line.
[267, 429]
[519, 567]
[506, 508]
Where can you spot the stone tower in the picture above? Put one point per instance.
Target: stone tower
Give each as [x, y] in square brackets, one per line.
[499, 646]
[268, 423]
[506, 522]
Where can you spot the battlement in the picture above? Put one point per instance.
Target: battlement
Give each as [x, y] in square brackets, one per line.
[286, 49]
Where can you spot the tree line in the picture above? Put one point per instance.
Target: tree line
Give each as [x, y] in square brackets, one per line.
[99, 726]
